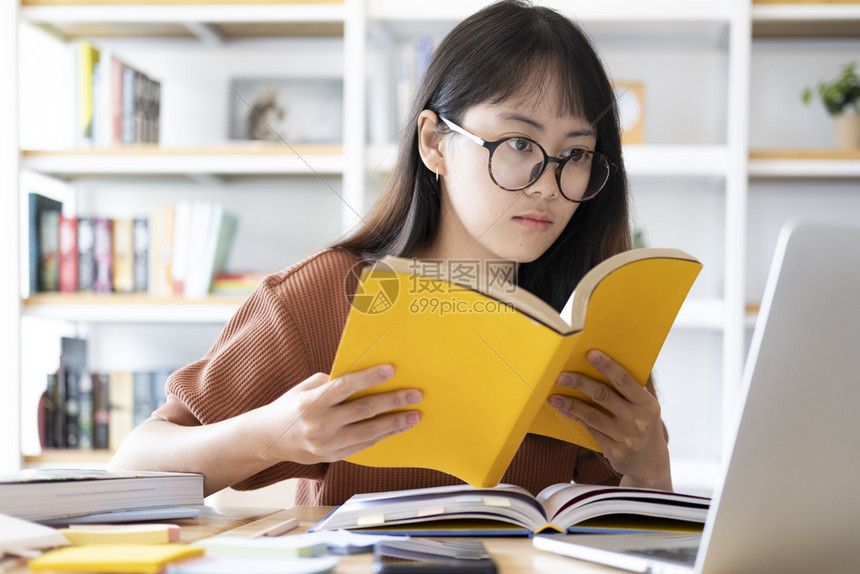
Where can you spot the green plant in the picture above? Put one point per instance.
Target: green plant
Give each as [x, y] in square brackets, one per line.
[840, 95]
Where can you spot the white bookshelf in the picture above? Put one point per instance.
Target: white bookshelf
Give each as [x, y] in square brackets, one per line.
[706, 180]
[132, 308]
[224, 160]
[805, 164]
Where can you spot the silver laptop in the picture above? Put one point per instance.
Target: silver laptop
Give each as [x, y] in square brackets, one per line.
[788, 499]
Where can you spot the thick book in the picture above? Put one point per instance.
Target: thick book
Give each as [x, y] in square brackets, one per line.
[512, 510]
[37, 206]
[49, 250]
[44, 494]
[486, 354]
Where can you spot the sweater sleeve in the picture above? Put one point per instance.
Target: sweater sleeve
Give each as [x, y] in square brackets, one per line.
[593, 468]
[259, 355]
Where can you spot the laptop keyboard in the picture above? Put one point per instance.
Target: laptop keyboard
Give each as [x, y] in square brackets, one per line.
[682, 555]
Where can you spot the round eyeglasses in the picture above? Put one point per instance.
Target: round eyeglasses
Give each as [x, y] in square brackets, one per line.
[517, 162]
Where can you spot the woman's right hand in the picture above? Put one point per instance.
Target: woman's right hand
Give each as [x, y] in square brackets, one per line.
[312, 422]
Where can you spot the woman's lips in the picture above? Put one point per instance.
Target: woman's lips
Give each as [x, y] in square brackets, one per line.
[533, 221]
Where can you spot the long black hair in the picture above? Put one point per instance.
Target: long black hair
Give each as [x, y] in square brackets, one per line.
[503, 51]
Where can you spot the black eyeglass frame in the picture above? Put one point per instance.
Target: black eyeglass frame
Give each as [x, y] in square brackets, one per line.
[491, 146]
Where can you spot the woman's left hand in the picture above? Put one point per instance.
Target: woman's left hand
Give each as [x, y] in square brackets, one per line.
[630, 432]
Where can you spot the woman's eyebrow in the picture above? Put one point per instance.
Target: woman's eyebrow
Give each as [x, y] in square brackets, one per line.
[515, 117]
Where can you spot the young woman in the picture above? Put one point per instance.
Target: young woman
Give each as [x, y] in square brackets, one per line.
[511, 154]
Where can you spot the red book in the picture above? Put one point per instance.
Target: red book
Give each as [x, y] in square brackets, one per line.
[68, 254]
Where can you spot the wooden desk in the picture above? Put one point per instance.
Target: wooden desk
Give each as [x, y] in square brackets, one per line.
[512, 554]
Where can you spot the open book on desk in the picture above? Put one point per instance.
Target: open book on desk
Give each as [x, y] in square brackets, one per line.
[486, 355]
[511, 510]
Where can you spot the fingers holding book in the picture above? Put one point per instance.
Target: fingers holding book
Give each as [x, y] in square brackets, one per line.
[624, 420]
[324, 426]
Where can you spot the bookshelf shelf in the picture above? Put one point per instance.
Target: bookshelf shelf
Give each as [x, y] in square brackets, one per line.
[154, 160]
[813, 19]
[668, 160]
[132, 308]
[704, 22]
[211, 20]
[609, 10]
[76, 457]
[800, 163]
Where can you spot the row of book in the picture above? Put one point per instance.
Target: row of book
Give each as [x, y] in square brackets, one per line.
[82, 409]
[117, 104]
[176, 251]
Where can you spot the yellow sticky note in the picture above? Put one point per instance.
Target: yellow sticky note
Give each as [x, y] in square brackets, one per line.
[124, 558]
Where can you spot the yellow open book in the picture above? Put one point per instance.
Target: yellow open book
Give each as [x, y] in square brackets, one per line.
[487, 361]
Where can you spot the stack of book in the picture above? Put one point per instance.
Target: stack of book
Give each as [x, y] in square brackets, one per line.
[174, 252]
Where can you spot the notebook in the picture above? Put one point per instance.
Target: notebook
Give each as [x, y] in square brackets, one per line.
[788, 499]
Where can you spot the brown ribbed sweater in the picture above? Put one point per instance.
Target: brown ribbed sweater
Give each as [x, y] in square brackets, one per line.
[289, 329]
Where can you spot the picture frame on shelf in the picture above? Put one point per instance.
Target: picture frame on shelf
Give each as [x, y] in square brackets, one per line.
[291, 110]
[630, 100]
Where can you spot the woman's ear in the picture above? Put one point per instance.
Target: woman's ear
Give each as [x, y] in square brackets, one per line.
[430, 142]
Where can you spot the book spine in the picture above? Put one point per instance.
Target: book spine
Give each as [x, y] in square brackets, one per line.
[164, 257]
[71, 379]
[58, 420]
[123, 255]
[37, 206]
[139, 107]
[127, 105]
[116, 101]
[101, 410]
[97, 122]
[86, 254]
[224, 245]
[142, 396]
[85, 411]
[146, 96]
[49, 248]
[48, 411]
[181, 238]
[88, 56]
[102, 255]
[141, 254]
[121, 395]
[201, 229]
[210, 247]
[156, 122]
[68, 248]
